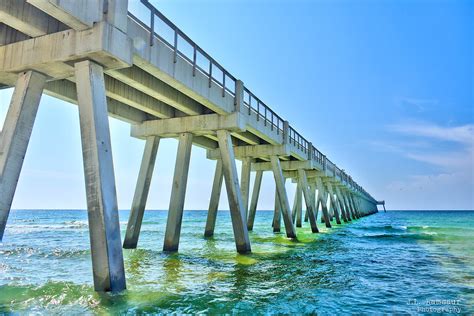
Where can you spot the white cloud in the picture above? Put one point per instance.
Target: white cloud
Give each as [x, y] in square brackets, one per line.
[460, 134]
[420, 104]
[453, 186]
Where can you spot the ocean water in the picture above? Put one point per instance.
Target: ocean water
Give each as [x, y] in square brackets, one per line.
[394, 262]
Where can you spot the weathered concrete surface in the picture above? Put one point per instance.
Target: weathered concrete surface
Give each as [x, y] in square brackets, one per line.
[141, 192]
[104, 229]
[15, 137]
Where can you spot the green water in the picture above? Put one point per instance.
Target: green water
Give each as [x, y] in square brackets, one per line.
[378, 264]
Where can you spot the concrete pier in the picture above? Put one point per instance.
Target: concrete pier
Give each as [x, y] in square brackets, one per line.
[178, 193]
[214, 202]
[253, 203]
[97, 55]
[141, 192]
[15, 137]
[104, 230]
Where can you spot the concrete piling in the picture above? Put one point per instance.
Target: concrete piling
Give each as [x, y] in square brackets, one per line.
[141, 192]
[104, 229]
[15, 137]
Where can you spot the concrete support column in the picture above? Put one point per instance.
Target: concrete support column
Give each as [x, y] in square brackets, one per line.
[337, 202]
[293, 210]
[254, 201]
[314, 197]
[334, 204]
[303, 181]
[351, 205]
[178, 193]
[276, 224]
[354, 205]
[141, 192]
[245, 183]
[344, 205]
[104, 229]
[306, 217]
[299, 206]
[15, 137]
[214, 202]
[323, 199]
[282, 197]
[237, 210]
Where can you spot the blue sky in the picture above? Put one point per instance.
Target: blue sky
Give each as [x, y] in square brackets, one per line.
[384, 88]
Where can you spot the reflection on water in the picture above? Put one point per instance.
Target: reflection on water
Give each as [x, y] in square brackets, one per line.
[375, 264]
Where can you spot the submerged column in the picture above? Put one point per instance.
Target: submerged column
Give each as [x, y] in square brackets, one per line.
[141, 192]
[15, 137]
[323, 199]
[214, 202]
[282, 197]
[299, 205]
[245, 182]
[333, 203]
[308, 199]
[343, 203]
[236, 205]
[178, 193]
[276, 224]
[104, 229]
[254, 201]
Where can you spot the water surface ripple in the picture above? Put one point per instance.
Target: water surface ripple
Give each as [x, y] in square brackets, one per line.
[379, 264]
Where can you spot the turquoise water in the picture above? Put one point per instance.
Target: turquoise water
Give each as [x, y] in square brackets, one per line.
[395, 262]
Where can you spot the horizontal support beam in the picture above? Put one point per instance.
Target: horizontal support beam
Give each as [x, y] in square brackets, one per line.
[126, 94]
[257, 151]
[66, 91]
[27, 19]
[79, 15]
[199, 125]
[285, 165]
[103, 43]
[143, 81]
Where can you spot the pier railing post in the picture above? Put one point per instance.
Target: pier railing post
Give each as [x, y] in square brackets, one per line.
[141, 192]
[239, 96]
[308, 199]
[15, 137]
[282, 196]
[178, 193]
[236, 205]
[104, 229]
[253, 203]
[214, 202]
